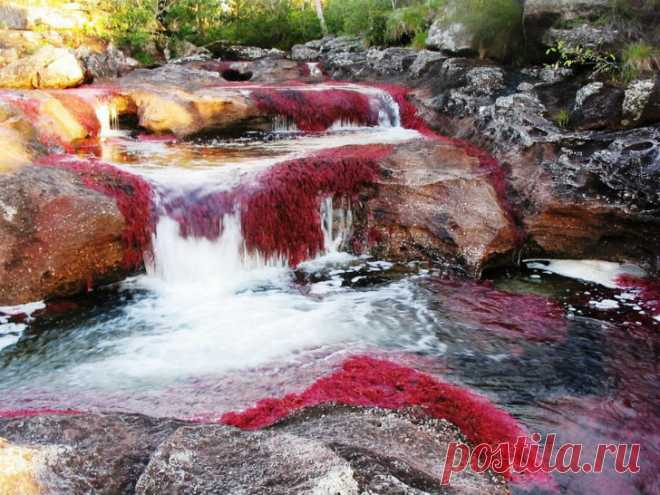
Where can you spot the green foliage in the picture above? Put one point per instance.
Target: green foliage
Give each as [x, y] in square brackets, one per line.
[132, 24]
[638, 59]
[580, 57]
[495, 24]
[358, 17]
[562, 118]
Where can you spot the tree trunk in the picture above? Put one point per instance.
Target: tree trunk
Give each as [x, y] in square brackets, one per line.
[319, 12]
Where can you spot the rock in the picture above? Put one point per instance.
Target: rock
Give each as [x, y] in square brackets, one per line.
[640, 102]
[304, 53]
[325, 449]
[540, 15]
[425, 62]
[77, 454]
[344, 57]
[421, 207]
[240, 52]
[180, 52]
[485, 81]
[58, 236]
[15, 150]
[584, 35]
[48, 68]
[390, 61]
[597, 106]
[13, 17]
[451, 37]
[107, 64]
[185, 114]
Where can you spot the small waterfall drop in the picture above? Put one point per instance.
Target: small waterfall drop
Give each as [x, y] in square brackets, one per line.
[315, 70]
[108, 117]
[336, 224]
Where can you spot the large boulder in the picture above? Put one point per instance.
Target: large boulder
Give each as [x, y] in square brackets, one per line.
[451, 37]
[59, 236]
[440, 200]
[326, 449]
[76, 454]
[547, 21]
[49, 67]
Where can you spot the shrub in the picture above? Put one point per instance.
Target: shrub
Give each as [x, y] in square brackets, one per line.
[579, 57]
[495, 24]
[637, 59]
[562, 118]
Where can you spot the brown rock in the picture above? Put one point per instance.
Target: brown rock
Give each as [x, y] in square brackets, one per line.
[57, 237]
[433, 200]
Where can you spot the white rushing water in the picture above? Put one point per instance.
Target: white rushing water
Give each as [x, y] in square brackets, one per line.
[604, 273]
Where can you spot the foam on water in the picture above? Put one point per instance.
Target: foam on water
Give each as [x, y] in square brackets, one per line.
[604, 273]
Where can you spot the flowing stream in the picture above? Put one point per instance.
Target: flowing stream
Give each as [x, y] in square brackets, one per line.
[211, 328]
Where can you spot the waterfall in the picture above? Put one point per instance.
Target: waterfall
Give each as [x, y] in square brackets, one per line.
[389, 115]
[336, 224]
[315, 70]
[108, 117]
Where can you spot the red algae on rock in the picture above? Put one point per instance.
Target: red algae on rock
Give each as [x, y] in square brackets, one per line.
[280, 212]
[367, 382]
[530, 316]
[316, 110]
[28, 413]
[132, 194]
[281, 216]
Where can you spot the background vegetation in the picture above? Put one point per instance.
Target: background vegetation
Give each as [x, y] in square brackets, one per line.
[145, 26]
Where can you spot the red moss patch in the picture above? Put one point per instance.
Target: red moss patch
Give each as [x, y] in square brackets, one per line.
[280, 213]
[316, 111]
[367, 382]
[132, 194]
[27, 413]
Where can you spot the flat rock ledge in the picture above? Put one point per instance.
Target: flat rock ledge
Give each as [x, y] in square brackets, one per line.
[323, 450]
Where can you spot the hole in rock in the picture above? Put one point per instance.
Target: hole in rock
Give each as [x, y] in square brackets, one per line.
[234, 75]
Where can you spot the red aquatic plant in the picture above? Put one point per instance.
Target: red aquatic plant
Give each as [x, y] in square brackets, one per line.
[367, 382]
[648, 291]
[280, 210]
[26, 413]
[530, 316]
[281, 215]
[316, 110]
[132, 194]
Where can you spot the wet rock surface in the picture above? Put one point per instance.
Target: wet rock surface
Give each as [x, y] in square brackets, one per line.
[582, 188]
[323, 449]
[90, 453]
[436, 201]
[58, 236]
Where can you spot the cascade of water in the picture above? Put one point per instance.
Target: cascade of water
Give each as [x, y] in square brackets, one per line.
[108, 117]
[336, 224]
[315, 70]
[390, 113]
